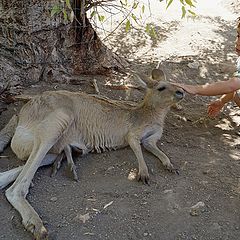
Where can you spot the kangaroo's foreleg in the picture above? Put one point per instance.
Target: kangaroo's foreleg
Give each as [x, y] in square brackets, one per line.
[68, 152]
[150, 144]
[47, 133]
[57, 163]
[79, 148]
[134, 143]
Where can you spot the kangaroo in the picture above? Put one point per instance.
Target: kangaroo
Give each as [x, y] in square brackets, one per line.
[50, 124]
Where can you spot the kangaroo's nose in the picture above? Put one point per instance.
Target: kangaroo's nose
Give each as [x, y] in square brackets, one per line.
[179, 94]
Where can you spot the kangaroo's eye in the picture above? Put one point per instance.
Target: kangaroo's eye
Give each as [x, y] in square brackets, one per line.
[162, 88]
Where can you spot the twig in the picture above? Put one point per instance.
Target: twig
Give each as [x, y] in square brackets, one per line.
[24, 98]
[96, 86]
[123, 87]
[83, 13]
[104, 39]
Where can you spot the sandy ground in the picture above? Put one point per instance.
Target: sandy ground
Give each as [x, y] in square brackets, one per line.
[104, 204]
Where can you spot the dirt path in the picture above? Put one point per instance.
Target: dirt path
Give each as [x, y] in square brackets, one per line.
[205, 151]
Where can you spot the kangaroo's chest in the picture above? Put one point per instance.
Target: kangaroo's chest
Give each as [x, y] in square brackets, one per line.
[155, 130]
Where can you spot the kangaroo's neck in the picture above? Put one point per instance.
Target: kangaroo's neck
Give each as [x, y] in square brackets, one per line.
[149, 102]
[149, 107]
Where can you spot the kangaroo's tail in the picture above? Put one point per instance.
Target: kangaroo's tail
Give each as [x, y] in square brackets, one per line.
[9, 176]
[7, 132]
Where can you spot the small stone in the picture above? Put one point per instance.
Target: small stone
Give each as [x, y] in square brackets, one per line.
[82, 218]
[133, 174]
[204, 182]
[53, 199]
[216, 226]
[194, 65]
[197, 209]
[206, 171]
[145, 234]
[168, 191]
[110, 168]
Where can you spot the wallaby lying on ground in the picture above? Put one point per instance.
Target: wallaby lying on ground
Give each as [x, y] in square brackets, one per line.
[56, 120]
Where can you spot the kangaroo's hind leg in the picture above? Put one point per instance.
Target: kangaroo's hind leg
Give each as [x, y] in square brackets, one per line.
[46, 134]
[7, 132]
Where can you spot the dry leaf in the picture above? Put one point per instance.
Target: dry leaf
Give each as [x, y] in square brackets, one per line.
[82, 218]
[107, 205]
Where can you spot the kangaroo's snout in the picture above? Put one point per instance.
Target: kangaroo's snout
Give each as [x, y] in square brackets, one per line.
[179, 94]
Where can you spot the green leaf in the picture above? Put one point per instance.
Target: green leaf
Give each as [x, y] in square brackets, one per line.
[191, 12]
[189, 2]
[68, 4]
[147, 29]
[122, 3]
[55, 10]
[153, 33]
[143, 8]
[150, 30]
[93, 13]
[134, 17]
[182, 2]
[65, 16]
[128, 26]
[169, 3]
[183, 11]
[135, 5]
[101, 18]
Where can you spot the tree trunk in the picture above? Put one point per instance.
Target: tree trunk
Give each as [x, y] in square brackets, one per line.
[37, 47]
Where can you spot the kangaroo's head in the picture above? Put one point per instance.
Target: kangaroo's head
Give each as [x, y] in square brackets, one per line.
[160, 93]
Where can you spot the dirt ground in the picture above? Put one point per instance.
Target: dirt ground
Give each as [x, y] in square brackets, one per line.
[105, 204]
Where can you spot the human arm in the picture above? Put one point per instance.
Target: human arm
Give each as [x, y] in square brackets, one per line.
[213, 89]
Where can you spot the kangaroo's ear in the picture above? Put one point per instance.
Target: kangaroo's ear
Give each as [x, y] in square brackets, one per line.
[158, 75]
[141, 80]
[150, 82]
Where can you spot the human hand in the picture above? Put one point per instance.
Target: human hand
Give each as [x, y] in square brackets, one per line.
[214, 108]
[191, 89]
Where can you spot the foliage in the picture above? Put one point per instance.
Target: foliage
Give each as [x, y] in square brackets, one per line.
[132, 11]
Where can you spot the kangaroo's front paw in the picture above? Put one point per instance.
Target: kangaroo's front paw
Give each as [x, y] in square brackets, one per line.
[171, 168]
[73, 170]
[143, 176]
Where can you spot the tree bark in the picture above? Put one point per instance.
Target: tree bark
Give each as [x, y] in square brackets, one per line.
[37, 47]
